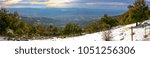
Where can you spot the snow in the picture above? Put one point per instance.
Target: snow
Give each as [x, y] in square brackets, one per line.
[87, 37]
[125, 33]
[119, 33]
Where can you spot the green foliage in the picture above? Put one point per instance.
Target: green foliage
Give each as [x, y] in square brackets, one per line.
[105, 23]
[7, 21]
[72, 29]
[54, 31]
[108, 22]
[137, 12]
[93, 27]
[148, 13]
[51, 31]
[10, 24]
[22, 29]
[126, 19]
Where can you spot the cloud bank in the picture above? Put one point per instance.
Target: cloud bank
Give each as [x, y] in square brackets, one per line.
[66, 3]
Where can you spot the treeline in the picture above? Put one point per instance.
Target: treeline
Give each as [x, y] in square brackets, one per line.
[12, 27]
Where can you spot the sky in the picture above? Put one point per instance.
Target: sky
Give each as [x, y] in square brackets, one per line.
[100, 4]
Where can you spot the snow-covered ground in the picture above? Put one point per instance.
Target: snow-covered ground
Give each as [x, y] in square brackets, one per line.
[124, 33]
[119, 33]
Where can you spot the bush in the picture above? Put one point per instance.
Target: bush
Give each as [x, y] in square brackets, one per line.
[93, 27]
[105, 23]
[107, 36]
[72, 29]
[108, 21]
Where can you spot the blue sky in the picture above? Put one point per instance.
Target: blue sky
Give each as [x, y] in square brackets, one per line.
[100, 4]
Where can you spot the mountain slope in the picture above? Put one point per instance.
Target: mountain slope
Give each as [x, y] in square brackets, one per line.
[119, 33]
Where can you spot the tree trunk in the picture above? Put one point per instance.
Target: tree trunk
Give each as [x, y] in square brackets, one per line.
[137, 24]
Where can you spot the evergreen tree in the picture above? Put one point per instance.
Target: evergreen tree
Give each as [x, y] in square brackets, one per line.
[108, 22]
[137, 12]
[72, 29]
[11, 22]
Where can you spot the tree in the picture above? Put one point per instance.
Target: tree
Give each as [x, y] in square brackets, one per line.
[72, 29]
[3, 14]
[51, 31]
[105, 23]
[11, 22]
[148, 12]
[93, 27]
[136, 13]
[6, 21]
[126, 18]
[22, 29]
[140, 9]
[108, 21]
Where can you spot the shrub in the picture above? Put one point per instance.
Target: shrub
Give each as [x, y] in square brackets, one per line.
[107, 36]
[72, 29]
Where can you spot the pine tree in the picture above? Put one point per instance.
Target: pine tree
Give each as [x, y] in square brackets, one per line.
[140, 9]
[11, 22]
[137, 12]
[108, 21]
[5, 21]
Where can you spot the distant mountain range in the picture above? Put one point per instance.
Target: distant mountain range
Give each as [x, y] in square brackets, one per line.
[58, 22]
[62, 16]
[56, 12]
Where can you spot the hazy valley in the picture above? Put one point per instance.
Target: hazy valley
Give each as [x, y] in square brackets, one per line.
[61, 16]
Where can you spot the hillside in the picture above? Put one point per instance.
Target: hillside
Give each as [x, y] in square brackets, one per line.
[119, 33]
[71, 21]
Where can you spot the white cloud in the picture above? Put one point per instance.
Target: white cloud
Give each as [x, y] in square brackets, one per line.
[11, 1]
[108, 3]
[60, 1]
[48, 3]
[36, 1]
